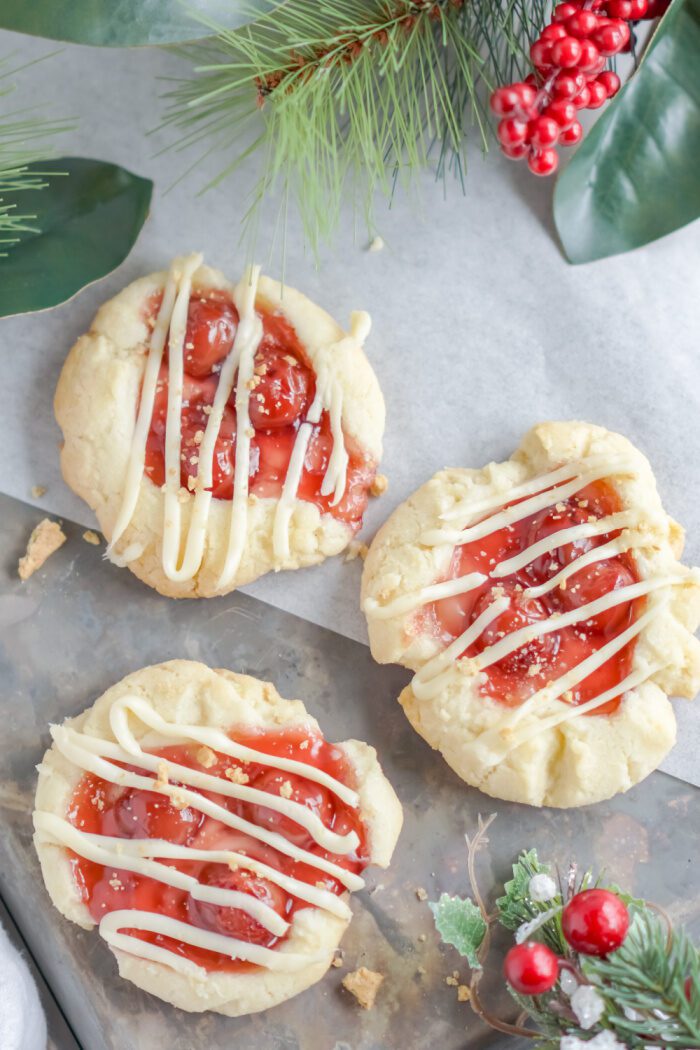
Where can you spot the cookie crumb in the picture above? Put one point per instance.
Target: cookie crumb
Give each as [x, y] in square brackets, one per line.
[452, 981]
[286, 789]
[421, 893]
[422, 937]
[364, 985]
[356, 549]
[376, 244]
[44, 541]
[91, 537]
[178, 800]
[37, 491]
[236, 775]
[463, 993]
[337, 959]
[206, 757]
[421, 971]
[162, 777]
[380, 483]
[303, 745]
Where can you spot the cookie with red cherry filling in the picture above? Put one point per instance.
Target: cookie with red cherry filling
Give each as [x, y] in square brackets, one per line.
[220, 430]
[211, 833]
[543, 608]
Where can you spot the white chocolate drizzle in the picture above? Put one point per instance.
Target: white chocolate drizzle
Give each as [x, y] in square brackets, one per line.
[180, 564]
[174, 781]
[468, 521]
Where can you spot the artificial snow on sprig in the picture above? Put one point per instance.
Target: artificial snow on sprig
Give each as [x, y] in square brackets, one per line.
[591, 966]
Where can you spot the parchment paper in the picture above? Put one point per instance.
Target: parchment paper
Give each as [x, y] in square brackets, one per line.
[480, 328]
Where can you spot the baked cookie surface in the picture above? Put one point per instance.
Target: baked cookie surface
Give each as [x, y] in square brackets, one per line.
[219, 431]
[206, 827]
[541, 603]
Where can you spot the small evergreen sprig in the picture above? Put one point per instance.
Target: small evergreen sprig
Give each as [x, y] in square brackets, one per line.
[22, 135]
[646, 992]
[354, 95]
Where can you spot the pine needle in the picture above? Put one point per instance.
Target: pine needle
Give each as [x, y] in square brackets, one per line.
[22, 135]
[349, 98]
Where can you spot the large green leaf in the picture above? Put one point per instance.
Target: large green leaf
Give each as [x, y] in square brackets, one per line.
[87, 221]
[637, 175]
[125, 23]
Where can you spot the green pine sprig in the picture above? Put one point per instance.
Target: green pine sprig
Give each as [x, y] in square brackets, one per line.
[649, 987]
[22, 138]
[345, 99]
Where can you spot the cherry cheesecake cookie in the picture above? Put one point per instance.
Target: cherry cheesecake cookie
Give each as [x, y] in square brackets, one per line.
[211, 833]
[219, 431]
[541, 604]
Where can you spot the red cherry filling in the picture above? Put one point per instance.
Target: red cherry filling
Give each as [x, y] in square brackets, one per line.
[211, 327]
[528, 668]
[233, 922]
[99, 807]
[282, 390]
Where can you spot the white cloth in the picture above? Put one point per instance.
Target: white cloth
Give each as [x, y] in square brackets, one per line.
[22, 1021]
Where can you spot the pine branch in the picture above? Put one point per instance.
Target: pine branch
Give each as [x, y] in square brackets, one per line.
[349, 97]
[21, 143]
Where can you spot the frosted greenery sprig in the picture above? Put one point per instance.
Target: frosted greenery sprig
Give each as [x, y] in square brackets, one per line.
[22, 142]
[347, 98]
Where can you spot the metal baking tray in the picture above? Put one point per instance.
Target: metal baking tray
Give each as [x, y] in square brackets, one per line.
[80, 624]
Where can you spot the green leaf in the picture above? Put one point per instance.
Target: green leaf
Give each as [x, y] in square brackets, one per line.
[635, 177]
[86, 223]
[515, 907]
[460, 923]
[126, 23]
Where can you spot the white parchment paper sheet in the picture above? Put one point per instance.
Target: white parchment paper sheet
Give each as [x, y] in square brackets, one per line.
[480, 327]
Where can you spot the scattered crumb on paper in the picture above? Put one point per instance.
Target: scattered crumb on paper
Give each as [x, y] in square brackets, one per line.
[463, 993]
[44, 541]
[380, 483]
[38, 491]
[376, 244]
[364, 985]
[421, 893]
[91, 537]
[356, 549]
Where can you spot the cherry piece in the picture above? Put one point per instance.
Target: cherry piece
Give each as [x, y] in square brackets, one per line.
[211, 327]
[313, 797]
[282, 388]
[593, 582]
[233, 922]
[150, 815]
[595, 922]
[522, 612]
[531, 968]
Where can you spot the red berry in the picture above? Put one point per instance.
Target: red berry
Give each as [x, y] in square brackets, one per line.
[657, 8]
[619, 8]
[570, 136]
[511, 132]
[543, 131]
[568, 83]
[516, 152]
[543, 162]
[564, 11]
[595, 922]
[504, 101]
[554, 31]
[610, 81]
[563, 111]
[589, 56]
[526, 95]
[541, 54]
[582, 24]
[582, 100]
[598, 94]
[612, 38]
[531, 968]
[566, 52]
[639, 10]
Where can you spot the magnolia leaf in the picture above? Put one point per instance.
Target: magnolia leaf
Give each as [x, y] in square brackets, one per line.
[635, 177]
[87, 220]
[126, 23]
[460, 923]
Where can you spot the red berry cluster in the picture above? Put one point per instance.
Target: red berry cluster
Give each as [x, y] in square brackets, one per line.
[569, 58]
[594, 922]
